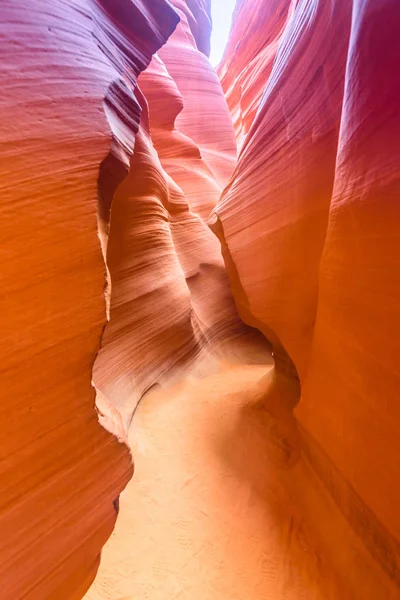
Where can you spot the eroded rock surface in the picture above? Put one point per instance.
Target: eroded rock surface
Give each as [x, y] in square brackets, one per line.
[170, 295]
[310, 228]
[117, 144]
[68, 76]
[79, 164]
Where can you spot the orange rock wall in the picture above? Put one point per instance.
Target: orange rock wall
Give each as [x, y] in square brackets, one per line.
[249, 56]
[110, 272]
[310, 227]
[170, 295]
[111, 275]
[65, 111]
[205, 116]
[357, 372]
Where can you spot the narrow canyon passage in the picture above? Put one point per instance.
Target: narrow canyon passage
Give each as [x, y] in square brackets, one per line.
[205, 515]
[200, 313]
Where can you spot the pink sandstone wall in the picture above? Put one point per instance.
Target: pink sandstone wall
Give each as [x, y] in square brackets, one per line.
[309, 223]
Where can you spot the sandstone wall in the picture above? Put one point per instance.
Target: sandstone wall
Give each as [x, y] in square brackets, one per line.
[310, 227]
[105, 246]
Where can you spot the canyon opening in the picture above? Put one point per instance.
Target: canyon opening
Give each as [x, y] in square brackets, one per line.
[200, 305]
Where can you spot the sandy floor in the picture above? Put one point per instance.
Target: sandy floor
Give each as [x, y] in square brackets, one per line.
[205, 516]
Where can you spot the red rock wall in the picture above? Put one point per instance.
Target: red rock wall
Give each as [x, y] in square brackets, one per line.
[64, 110]
[357, 372]
[170, 295]
[310, 228]
[153, 292]
[205, 116]
[249, 56]
[275, 209]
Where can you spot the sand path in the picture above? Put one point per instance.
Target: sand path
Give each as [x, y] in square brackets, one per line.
[205, 516]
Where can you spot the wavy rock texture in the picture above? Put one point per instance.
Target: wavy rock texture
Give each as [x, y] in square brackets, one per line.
[275, 209]
[112, 276]
[249, 56]
[73, 172]
[68, 117]
[310, 228]
[170, 297]
[205, 116]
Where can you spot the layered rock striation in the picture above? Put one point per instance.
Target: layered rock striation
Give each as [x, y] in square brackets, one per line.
[112, 277]
[249, 56]
[117, 144]
[309, 224]
[170, 296]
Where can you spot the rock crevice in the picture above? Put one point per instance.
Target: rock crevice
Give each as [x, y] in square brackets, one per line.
[262, 197]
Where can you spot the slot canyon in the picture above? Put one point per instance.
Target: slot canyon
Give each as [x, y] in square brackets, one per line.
[200, 301]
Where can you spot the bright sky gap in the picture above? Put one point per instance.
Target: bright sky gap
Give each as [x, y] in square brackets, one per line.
[221, 12]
